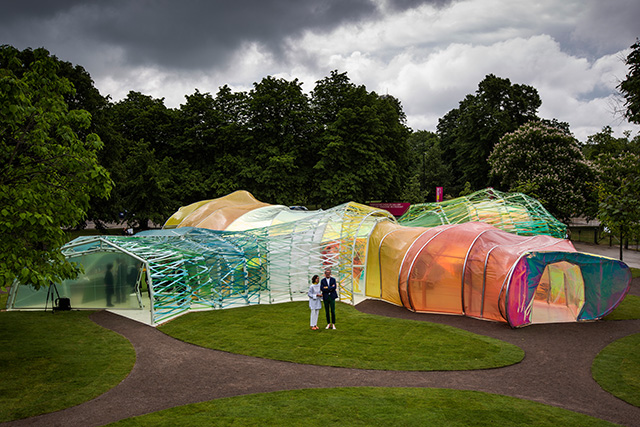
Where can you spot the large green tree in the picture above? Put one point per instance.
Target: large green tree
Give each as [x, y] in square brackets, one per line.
[630, 86]
[280, 149]
[619, 193]
[469, 132]
[141, 143]
[426, 168]
[48, 174]
[211, 148]
[604, 142]
[364, 149]
[199, 148]
[547, 160]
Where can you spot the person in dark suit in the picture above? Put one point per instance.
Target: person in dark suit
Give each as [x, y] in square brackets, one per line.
[108, 284]
[329, 286]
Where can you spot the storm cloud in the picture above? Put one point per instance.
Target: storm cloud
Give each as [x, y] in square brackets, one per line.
[429, 54]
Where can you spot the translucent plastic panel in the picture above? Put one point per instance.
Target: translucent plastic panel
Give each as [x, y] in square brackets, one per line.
[182, 213]
[382, 229]
[606, 281]
[221, 218]
[257, 218]
[477, 283]
[513, 212]
[393, 249]
[435, 279]
[218, 213]
[500, 262]
[410, 258]
[110, 280]
[559, 296]
[288, 215]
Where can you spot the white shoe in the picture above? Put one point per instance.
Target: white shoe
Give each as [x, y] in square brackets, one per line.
[333, 326]
[328, 327]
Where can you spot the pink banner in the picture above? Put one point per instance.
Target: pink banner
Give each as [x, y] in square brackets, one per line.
[439, 194]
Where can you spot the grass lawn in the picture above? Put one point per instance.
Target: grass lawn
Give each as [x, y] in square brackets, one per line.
[617, 369]
[364, 341]
[54, 361]
[628, 309]
[50, 362]
[367, 407]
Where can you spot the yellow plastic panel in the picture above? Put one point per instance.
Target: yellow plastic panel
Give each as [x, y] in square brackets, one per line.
[372, 287]
[559, 296]
[217, 214]
[392, 252]
[175, 219]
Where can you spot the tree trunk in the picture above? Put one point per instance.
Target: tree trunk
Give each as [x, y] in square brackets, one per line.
[621, 244]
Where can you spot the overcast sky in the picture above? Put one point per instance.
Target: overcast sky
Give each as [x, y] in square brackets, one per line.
[429, 54]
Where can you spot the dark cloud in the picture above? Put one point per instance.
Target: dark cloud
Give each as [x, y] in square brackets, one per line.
[186, 34]
[189, 34]
[34, 9]
[400, 5]
[608, 25]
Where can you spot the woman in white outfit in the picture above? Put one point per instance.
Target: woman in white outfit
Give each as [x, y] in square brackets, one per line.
[315, 301]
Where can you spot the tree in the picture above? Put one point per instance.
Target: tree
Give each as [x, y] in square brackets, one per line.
[198, 150]
[619, 193]
[233, 135]
[48, 175]
[142, 121]
[469, 132]
[549, 161]
[280, 150]
[630, 86]
[211, 144]
[144, 190]
[364, 151]
[604, 142]
[427, 167]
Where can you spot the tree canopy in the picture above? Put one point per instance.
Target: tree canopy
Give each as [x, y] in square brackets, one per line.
[549, 162]
[48, 174]
[339, 142]
[469, 133]
[619, 193]
[427, 168]
[363, 142]
[604, 142]
[630, 86]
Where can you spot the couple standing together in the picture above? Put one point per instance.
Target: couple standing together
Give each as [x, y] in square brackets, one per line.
[326, 291]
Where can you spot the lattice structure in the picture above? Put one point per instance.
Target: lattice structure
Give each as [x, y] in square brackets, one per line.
[335, 239]
[463, 267]
[515, 213]
[189, 268]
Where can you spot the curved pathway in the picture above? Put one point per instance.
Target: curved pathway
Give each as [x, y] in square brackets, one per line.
[556, 370]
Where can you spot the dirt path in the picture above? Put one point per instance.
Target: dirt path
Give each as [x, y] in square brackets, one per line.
[556, 370]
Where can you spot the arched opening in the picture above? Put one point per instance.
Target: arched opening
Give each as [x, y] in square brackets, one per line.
[559, 296]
